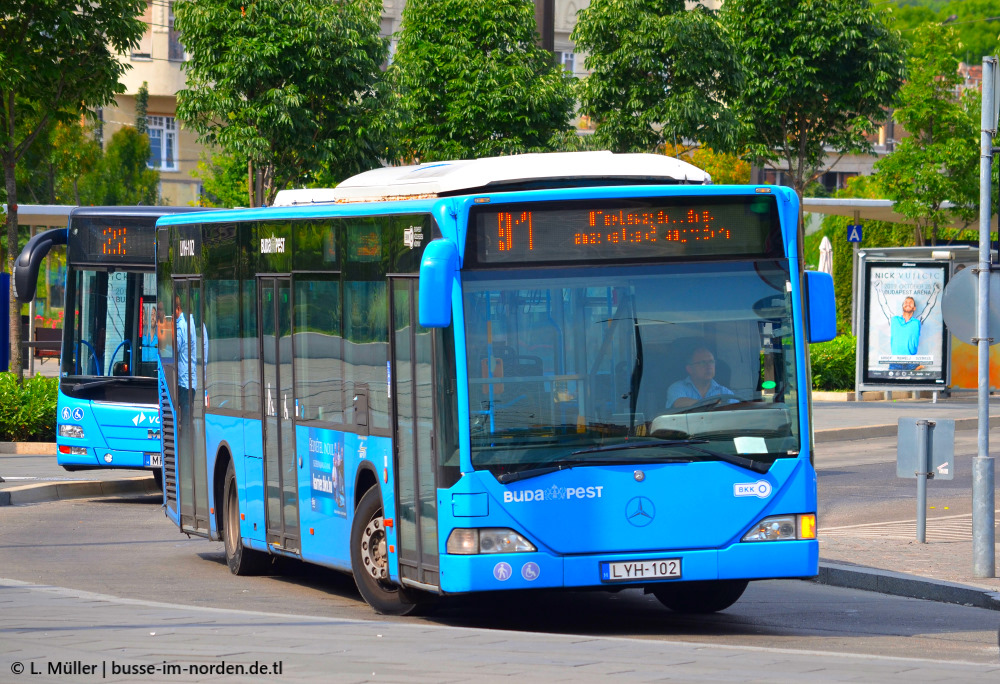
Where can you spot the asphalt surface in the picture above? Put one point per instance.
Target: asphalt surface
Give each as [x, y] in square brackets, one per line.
[875, 554]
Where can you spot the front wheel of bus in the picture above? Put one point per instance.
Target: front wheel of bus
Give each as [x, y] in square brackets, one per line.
[241, 560]
[708, 596]
[370, 559]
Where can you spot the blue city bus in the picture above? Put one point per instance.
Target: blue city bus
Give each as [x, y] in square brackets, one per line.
[470, 376]
[107, 412]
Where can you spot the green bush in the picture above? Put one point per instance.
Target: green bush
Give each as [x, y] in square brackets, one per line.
[833, 363]
[28, 412]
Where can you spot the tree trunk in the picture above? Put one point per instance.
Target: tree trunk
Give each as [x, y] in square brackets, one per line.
[12, 252]
[250, 182]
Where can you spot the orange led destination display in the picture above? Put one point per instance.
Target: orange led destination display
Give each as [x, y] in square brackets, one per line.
[725, 226]
[123, 240]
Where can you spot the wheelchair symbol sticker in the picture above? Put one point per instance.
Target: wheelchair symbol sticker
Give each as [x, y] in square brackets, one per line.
[78, 414]
[530, 571]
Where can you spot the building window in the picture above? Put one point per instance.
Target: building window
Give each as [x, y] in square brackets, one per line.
[144, 50]
[162, 143]
[568, 60]
[175, 52]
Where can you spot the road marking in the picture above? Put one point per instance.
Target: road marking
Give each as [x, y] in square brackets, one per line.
[947, 528]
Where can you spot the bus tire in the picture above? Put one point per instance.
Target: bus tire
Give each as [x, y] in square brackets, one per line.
[369, 559]
[706, 596]
[241, 560]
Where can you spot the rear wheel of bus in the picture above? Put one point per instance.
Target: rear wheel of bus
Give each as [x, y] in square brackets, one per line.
[241, 560]
[370, 559]
[708, 596]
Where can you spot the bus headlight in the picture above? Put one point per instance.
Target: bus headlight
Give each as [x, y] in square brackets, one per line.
[469, 541]
[783, 527]
[74, 431]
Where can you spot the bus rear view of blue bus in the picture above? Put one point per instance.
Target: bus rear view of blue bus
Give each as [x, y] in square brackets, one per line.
[107, 412]
[577, 370]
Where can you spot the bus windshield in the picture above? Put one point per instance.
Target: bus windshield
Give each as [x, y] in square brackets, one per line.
[687, 362]
[113, 327]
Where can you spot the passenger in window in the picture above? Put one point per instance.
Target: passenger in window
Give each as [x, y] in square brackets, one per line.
[700, 382]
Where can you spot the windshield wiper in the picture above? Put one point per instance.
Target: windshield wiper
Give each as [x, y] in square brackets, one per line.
[507, 478]
[734, 459]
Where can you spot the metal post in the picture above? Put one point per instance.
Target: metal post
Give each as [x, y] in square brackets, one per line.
[855, 279]
[983, 535]
[923, 466]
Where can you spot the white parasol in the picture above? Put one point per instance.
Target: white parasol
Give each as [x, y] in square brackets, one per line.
[826, 256]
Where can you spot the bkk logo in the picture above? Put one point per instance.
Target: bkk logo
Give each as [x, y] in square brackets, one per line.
[553, 493]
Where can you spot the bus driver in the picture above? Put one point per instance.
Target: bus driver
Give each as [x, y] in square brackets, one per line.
[700, 382]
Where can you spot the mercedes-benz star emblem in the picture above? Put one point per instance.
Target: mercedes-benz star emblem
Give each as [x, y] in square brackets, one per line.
[640, 511]
[639, 476]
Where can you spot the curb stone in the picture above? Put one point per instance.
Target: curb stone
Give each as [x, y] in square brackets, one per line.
[866, 432]
[909, 586]
[80, 489]
[34, 448]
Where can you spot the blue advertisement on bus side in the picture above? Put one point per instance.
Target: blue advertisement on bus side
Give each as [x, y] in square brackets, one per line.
[326, 467]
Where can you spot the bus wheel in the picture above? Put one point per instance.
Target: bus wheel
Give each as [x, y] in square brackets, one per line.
[158, 478]
[370, 559]
[241, 560]
[708, 596]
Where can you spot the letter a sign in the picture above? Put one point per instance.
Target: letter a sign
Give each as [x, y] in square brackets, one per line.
[854, 232]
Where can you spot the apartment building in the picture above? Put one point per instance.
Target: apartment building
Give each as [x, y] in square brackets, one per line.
[158, 61]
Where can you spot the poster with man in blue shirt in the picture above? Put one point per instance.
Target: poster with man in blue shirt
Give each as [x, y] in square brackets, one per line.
[905, 327]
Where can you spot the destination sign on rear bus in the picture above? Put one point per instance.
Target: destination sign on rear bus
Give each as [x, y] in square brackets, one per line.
[656, 228]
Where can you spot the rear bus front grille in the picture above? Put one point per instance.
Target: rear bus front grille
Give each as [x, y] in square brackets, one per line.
[169, 450]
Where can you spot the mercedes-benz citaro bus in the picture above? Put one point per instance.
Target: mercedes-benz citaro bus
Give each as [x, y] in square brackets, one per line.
[579, 370]
[107, 412]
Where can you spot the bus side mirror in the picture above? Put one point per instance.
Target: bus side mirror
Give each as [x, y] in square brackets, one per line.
[437, 270]
[821, 306]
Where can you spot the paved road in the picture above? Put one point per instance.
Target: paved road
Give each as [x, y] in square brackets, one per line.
[104, 561]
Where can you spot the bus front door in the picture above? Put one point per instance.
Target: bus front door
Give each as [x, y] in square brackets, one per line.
[413, 411]
[278, 409]
[190, 345]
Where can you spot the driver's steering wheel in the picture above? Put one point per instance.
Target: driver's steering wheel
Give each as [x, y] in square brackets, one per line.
[706, 403]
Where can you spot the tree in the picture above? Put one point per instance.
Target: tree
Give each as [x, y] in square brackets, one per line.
[659, 73]
[820, 75]
[939, 160]
[57, 58]
[223, 181]
[725, 169]
[976, 23]
[472, 81]
[74, 154]
[122, 176]
[286, 86]
[141, 109]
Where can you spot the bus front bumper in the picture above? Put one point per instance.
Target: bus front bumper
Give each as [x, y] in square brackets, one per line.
[109, 458]
[744, 560]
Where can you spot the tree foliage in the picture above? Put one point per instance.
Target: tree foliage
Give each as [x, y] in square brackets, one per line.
[287, 86]
[976, 23]
[223, 181]
[659, 73]
[939, 160]
[57, 58]
[819, 76]
[725, 169]
[121, 175]
[473, 83]
[75, 154]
